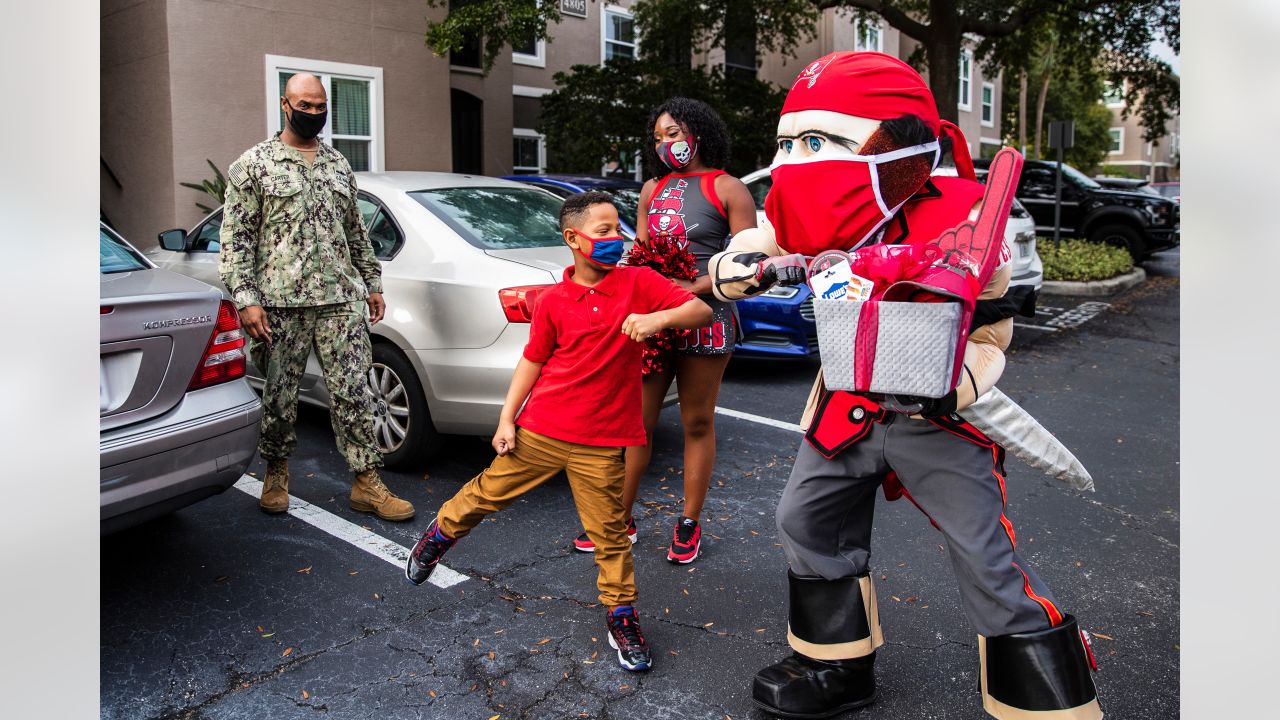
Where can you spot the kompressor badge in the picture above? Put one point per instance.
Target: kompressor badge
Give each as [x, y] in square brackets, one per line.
[175, 322]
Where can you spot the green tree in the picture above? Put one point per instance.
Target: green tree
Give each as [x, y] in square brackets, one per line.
[597, 113]
[1065, 91]
[1012, 37]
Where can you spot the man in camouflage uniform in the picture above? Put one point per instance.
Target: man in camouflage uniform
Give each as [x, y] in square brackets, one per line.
[299, 265]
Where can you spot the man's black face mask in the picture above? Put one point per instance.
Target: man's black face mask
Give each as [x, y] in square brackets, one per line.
[306, 125]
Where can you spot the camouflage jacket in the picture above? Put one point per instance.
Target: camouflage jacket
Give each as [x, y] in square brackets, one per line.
[292, 235]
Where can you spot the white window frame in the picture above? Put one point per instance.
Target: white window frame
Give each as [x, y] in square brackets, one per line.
[965, 87]
[1119, 151]
[539, 59]
[1116, 104]
[857, 36]
[542, 150]
[605, 12]
[326, 70]
[983, 105]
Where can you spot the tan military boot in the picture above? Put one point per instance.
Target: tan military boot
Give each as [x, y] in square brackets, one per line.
[275, 488]
[370, 494]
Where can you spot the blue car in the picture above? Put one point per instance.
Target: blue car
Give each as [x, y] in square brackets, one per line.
[625, 192]
[777, 324]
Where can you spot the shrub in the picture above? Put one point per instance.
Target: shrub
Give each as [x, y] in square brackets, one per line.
[1081, 260]
[215, 188]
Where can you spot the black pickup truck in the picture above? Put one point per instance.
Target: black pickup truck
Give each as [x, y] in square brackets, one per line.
[1140, 222]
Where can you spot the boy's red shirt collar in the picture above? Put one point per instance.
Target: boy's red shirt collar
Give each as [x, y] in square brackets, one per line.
[606, 286]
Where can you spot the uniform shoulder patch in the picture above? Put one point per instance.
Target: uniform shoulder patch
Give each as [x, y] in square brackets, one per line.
[238, 175]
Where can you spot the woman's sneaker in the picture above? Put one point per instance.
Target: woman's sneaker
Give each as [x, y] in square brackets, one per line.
[426, 554]
[582, 543]
[626, 638]
[685, 541]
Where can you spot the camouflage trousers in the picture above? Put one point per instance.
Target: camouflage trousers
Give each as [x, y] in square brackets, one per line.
[339, 335]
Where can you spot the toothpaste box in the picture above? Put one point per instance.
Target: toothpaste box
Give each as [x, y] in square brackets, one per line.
[839, 283]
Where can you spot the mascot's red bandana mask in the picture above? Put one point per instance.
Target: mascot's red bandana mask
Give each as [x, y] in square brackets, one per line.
[837, 201]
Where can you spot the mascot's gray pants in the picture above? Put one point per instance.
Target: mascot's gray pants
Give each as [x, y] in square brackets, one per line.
[824, 518]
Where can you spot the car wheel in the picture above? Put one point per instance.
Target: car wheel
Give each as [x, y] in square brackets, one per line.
[402, 424]
[1122, 236]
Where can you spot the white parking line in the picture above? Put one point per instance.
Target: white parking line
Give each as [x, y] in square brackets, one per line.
[1035, 327]
[759, 419]
[368, 541]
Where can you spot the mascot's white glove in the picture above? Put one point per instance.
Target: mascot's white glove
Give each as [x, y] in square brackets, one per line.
[753, 263]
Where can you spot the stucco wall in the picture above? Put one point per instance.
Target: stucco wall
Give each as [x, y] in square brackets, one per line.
[187, 79]
[136, 133]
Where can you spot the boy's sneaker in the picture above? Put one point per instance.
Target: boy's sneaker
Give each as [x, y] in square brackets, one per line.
[626, 638]
[424, 556]
[685, 541]
[582, 543]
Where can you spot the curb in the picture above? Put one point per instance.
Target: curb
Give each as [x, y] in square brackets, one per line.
[1096, 288]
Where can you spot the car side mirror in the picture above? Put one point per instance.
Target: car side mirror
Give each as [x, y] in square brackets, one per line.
[174, 240]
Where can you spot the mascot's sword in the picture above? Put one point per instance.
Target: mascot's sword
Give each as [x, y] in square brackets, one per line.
[1003, 420]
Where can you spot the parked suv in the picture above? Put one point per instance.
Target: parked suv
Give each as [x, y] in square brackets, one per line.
[1140, 222]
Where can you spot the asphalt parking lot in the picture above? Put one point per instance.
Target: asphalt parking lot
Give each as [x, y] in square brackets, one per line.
[220, 611]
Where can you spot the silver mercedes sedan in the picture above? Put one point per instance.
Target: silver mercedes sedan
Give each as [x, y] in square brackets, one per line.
[461, 258]
[177, 420]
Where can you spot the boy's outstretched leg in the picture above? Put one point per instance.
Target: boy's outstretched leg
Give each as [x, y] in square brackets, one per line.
[534, 460]
[427, 553]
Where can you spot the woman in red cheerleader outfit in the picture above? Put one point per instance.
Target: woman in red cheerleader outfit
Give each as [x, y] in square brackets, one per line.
[685, 217]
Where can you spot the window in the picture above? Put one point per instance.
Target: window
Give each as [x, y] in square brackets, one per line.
[618, 33]
[988, 104]
[966, 80]
[1113, 95]
[493, 218]
[383, 231]
[528, 153]
[530, 52]
[759, 189]
[355, 106]
[1117, 141]
[868, 35]
[207, 237]
[384, 234]
[115, 255]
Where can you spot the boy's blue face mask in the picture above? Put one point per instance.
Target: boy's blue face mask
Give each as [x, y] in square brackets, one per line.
[603, 251]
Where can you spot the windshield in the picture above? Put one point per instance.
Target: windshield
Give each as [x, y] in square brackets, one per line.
[628, 202]
[1079, 178]
[497, 218]
[1170, 191]
[115, 255]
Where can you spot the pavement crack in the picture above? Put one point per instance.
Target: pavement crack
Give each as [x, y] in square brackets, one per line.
[1128, 519]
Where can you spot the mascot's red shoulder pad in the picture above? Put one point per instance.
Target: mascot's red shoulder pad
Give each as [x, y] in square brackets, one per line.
[941, 204]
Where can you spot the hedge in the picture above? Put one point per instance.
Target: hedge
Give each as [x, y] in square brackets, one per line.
[1080, 260]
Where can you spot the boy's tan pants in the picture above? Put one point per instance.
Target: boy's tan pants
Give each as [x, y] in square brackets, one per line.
[595, 478]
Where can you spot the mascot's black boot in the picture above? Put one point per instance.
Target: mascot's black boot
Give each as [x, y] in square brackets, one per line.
[834, 629]
[1043, 674]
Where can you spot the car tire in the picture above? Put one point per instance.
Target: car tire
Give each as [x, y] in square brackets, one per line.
[402, 423]
[1121, 236]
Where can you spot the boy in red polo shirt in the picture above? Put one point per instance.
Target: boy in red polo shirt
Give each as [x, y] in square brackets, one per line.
[581, 375]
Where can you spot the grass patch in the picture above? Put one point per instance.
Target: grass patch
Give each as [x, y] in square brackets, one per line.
[1080, 260]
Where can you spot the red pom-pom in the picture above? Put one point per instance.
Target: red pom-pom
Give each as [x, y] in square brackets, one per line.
[668, 258]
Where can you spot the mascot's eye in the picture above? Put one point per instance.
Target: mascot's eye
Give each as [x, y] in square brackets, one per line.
[814, 142]
[786, 145]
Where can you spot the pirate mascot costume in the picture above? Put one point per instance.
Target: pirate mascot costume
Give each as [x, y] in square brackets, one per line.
[858, 138]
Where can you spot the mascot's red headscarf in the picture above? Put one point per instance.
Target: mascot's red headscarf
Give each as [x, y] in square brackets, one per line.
[832, 200]
[876, 86]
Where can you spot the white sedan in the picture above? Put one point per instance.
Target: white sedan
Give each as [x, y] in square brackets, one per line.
[461, 256]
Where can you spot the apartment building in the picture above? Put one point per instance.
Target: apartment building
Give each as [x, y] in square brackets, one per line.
[189, 81]
[1130, 154]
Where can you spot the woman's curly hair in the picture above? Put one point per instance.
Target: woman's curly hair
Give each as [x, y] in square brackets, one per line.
[699, 120]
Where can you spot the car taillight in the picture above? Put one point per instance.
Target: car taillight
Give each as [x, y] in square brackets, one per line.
[517, 302]
[223, 358]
